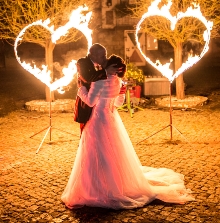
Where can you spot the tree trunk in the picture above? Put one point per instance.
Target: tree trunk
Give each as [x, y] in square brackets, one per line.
[180, 86]
[2, 54]
[49, 62]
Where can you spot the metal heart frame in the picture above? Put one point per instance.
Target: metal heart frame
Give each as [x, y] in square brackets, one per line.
[195, 12]
[77, 20]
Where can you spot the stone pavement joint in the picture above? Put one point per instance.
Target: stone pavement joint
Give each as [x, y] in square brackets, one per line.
[31, 184]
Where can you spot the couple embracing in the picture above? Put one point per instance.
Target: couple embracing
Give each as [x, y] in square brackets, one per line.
[107, 171]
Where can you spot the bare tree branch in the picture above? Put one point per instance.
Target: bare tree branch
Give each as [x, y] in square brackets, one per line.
[190, 27]
[16, 14]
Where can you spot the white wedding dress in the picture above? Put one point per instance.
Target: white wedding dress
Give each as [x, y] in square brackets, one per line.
[107, 172]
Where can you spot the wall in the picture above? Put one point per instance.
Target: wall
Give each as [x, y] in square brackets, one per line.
[112, 39]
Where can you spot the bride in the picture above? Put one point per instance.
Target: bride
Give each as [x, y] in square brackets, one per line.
[107, 171]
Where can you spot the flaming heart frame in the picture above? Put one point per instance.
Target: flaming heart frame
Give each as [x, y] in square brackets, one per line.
[77, 20]
[195, 12]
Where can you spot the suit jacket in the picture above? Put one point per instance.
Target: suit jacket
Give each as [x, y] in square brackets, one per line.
[87, 74]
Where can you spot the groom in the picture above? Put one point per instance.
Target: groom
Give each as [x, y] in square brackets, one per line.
[92, 68]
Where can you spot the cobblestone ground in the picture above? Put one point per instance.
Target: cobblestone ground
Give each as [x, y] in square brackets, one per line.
[31, 184]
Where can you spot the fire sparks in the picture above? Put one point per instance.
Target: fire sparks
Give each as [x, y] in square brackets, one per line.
[164, 11]
[77, 20]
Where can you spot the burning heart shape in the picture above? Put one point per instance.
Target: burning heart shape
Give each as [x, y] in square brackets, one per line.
[77, 20]
[195, 12]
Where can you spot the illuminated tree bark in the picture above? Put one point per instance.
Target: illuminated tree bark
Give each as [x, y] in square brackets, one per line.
[2, 54]
[49, 47]
[180, 93]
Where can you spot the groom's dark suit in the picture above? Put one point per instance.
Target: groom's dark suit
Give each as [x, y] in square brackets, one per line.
[87, 74]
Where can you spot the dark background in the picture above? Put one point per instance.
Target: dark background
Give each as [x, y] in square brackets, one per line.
[17, 86]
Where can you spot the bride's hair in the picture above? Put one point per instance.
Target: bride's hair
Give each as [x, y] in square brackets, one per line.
[113, 59]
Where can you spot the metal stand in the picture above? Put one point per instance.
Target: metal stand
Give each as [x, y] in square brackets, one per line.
[127, 106]
[49, 129]
[170, 125]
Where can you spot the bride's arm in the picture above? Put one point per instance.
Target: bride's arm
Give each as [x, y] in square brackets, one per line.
[119, 100]
[91, 97]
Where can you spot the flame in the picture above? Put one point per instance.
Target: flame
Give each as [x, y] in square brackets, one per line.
[77, 20]
[195, 12]
[65, 79]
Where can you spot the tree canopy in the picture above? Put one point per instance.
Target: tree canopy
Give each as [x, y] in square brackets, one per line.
[16, 14]
[187, 28]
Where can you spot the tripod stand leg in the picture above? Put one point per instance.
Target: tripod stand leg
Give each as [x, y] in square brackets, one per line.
[43, 139]
[181, 134]
[123, 108]
[171, 124]
[128, 101]
[138, 108]
[39, 132]
[154, 134]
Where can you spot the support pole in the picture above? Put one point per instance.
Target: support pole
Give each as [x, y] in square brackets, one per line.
[171, 122]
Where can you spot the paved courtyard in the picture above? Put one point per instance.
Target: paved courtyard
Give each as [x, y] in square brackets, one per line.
[31, 184]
